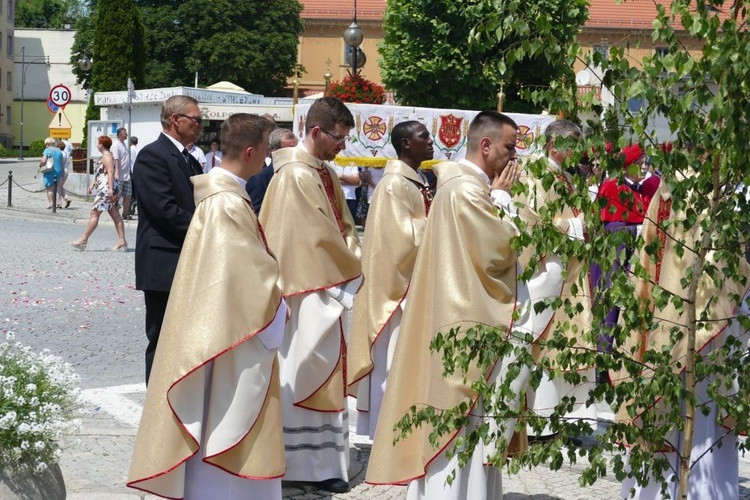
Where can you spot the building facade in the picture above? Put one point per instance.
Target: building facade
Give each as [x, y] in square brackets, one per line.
[610, 24]
[42, 60]
[322, 41]
[7, 51]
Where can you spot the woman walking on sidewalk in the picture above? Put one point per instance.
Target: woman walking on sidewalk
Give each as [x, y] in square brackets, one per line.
[61, 193]
[107, 191]
[56, 174]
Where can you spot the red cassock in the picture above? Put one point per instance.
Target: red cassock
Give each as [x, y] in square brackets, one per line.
[629, 206]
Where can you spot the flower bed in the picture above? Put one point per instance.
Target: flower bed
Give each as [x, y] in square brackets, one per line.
[39, 403]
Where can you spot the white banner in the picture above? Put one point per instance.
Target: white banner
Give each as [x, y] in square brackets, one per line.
[369, 142]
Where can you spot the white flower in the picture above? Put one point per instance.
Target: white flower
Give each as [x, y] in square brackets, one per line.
[8, 420]
[35, 419]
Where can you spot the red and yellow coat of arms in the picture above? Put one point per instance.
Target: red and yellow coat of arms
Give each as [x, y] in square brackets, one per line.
[449, 132]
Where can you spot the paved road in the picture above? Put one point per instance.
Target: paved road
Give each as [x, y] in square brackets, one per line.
[83, 307]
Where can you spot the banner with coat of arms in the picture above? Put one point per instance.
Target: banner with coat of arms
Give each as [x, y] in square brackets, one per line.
[369, 142]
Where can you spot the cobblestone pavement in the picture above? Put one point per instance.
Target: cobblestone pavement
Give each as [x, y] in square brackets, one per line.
[83, 307]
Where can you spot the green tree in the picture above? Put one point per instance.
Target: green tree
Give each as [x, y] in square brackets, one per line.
[49, 14]
[119, 50]
[83, 45]
[450, 54]
[251, 43]
[703, 97]
[101, 37]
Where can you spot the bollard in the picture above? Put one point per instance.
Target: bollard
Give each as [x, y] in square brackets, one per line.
[10, 188]
[54, 195]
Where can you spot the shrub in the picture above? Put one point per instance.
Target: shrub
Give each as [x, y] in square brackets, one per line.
[39, 402]
[36, 148]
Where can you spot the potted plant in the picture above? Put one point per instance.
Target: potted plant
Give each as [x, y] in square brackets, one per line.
[356, 88]
[39, 403]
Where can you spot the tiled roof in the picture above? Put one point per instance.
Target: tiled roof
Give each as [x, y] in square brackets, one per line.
[367, 10]
[629, 14]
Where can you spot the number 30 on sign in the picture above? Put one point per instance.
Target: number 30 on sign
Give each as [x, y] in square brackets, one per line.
[59, 95]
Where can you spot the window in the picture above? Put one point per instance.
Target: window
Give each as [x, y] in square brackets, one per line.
[1, 37]
[7, 115]
[10, 9]
[1, 80]
[662, 51]
[347, 55]
[9, 80]
[602, 49]
[348, 52]
[10, 45]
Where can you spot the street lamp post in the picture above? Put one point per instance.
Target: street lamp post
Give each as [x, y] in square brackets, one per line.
[25, 66]
[85, 63]
[353, 36]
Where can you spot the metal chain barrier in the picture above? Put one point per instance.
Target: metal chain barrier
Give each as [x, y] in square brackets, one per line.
[23, 188]
[10, 181]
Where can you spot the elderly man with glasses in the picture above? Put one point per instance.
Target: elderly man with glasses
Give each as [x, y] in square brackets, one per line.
[165, 207]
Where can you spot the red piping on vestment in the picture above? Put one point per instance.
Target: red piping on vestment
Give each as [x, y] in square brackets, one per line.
[455, 434]
[342, 357]
[320, 289]
[377, 336]
[134, 483]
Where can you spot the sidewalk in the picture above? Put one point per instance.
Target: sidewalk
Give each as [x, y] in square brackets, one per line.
[29, 200]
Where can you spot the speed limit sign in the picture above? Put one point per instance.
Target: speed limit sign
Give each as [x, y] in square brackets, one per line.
[59, 95]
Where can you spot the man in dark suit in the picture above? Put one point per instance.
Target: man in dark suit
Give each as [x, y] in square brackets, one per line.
[258, 184]
[165, 206]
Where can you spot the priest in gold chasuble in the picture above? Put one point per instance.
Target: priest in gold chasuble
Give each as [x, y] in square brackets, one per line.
[395, 225]
[312, 234]
[551, 280]
[211, 424]
[714, 457]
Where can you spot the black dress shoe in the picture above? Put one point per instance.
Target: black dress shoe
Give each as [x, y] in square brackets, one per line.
[334, 485]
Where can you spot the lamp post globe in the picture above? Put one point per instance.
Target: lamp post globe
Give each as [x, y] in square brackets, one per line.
[361, 58]
[353, 35]
[84, 63]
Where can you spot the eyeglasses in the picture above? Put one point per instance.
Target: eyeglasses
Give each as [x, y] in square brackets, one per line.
[198, 120]
[335, 137]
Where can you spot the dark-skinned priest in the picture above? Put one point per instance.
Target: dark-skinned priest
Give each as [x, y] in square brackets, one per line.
[395, 225]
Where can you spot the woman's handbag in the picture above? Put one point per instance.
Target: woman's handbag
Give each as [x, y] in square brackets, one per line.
[47, 167]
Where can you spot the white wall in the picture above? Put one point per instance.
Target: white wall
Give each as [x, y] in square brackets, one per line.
[57, 45]
[146, 124]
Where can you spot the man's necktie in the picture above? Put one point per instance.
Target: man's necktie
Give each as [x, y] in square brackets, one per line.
[188, 160]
